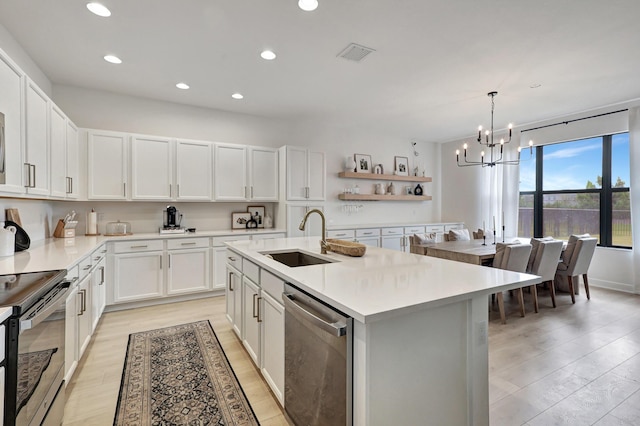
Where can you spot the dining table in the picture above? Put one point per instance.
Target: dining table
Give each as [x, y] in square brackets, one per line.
[473, 251]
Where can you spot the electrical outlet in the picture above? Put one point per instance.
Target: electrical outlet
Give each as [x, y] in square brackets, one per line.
[481, 328]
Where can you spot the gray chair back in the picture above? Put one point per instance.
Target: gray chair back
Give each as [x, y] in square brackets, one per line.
[546, 259]
[581, 257]
[515, 257]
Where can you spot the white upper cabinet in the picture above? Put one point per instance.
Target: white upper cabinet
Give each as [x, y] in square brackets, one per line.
[305, 174]
[263, 174]
[73, 161]
[37, 141]
[230, 172]
[58, 144]
[194, 170]
[151, 168]
[12, 106]
[107, 165]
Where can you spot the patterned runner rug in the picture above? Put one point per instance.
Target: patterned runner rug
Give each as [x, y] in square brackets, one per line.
[180, 376]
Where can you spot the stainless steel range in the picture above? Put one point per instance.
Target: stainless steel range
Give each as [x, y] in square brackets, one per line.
[34, 386]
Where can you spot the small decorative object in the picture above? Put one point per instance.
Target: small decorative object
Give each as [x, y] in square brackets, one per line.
[408, 190]
[252, 224]
[391, 189]
[348, 248]
[377, 169]
[363, 163]
[257, 214]
[268, 222]
[418, 190]
[349, 164]
[355, 189]
[401, 166]
[239, 220]
[380, 189]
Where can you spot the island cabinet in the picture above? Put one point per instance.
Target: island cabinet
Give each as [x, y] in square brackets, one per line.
[251, 310]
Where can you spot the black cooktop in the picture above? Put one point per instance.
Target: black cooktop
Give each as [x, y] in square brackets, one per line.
[21, 291]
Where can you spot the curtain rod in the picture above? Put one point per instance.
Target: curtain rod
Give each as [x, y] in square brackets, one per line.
[576, 119]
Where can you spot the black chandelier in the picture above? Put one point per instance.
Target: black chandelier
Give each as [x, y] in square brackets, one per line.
[489, 143]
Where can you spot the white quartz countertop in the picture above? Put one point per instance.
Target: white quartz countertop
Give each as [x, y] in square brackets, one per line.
[4, 314]
[63, 253]
[382, 283]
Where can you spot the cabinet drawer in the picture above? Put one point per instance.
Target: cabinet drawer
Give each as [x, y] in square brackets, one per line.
[98, 254]
[414, 230]
[73, 274]
[251, 271]
[447, 228]
[369, 232]
[392, 231]
[234, 260]
[272, 285]
[84, 267]
[185, 243]
[342, 234]
[219, 241]
[434, 228]
[136, 246]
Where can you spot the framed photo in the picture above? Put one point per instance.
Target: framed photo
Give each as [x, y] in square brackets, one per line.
[401, 166]
[239, 220]
[363, 163]
[257, 213]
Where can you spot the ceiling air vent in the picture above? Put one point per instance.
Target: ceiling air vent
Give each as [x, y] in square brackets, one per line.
[355, 52]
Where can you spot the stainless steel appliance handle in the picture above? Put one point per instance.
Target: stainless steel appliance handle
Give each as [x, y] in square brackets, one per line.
[336, 328]
[39, 312]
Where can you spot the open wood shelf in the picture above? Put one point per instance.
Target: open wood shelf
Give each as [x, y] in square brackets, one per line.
[376, 197]
[373, 176]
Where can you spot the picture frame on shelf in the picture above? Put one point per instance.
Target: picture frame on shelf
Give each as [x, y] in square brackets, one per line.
[363, 163]
[401, 167]
[239, 220]
[257, 214]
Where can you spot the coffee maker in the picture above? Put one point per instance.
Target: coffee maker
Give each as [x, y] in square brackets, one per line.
[171, 221]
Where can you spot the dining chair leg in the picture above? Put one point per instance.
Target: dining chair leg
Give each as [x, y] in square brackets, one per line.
[570, 281]
[553, 292]
[534, 292]
[521, 301]
[503, 317]
[586, 286]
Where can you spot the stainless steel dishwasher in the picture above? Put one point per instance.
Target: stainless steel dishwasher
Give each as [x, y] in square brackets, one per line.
[318, 358]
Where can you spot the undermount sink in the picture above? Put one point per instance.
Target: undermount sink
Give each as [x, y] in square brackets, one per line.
[296, 258]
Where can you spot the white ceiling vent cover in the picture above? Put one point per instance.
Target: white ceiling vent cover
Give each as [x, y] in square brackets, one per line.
[355, 52]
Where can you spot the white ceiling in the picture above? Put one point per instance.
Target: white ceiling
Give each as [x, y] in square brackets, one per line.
[434, 62]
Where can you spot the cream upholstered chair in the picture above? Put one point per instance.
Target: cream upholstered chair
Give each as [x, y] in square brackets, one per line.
[512, 257]
[418, 243]
[457, 235]
[478, 235]
[543, 261]
[576, 260]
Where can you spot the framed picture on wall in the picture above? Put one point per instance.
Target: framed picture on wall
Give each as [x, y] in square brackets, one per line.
[239, 220]
[363, 163]
[257, 214]
[401, 166]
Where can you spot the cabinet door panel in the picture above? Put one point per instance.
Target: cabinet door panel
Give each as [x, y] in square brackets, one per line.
[107, 166]
[37, 145]
[263, 174]
[71, 333]
[393, 243]
[297, 173]
[138, 276]
[84, 315]
[11, 105]
[250, 319]
[194, 164]
[58, 128]
[188, 271]
[272, 315]
[151, 168]
[295, 214]
[230, 172]
[73, 161]
[219, 268]
[317, 175]
[234, 300]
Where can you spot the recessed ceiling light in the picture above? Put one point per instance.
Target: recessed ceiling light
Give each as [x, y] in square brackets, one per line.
[113, 59]
[237, 96]
[99, 9]
[183, 86]
[308, 5]
[268, 55]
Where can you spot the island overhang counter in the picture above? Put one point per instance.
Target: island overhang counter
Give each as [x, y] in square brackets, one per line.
[420, 352]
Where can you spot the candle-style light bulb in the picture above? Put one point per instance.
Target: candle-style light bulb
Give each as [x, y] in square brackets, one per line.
[479, 133]
[519, 149]
[457, 152]
[510, 129]
[502, 141]
[465, 146]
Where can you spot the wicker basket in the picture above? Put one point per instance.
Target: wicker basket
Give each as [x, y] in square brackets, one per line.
[346, 247]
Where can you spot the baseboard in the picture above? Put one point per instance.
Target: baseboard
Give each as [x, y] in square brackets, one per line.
[624, 287]
[162, 301]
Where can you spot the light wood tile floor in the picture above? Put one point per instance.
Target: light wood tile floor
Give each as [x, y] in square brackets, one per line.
[575, 365]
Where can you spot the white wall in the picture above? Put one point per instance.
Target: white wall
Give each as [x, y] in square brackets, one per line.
[23, 60]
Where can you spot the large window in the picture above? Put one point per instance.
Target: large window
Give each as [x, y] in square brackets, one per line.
[578, 187]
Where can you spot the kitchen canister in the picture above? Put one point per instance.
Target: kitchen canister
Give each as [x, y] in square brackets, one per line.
[7, 240]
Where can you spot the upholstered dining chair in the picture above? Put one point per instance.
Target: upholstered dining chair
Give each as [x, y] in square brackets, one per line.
[512, 257]
[479, 234]
[418, 243]
[543, 261]
[575, 262]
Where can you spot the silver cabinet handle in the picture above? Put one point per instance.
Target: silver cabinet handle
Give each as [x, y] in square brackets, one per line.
[231, 258]
[340, 235]
[86, 268]
[71, 185]
[34, 175]
[169, 262]
[97, 258]
[254, 315]
[101, 275]
[259, 319]
[306, 191]
[187, 244]
[230, 278]
[169, 190]
[367, 233]
[178, 194]
[81, 297]
[252, 192]
[160, 261]
[27, 175]
[124, 189]
[137, 247]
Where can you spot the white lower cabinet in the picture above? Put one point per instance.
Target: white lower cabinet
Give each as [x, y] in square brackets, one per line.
[272, 366]
[85, 320]
[98, 291]
[188, 271]
[234, 299]
[219, 274]
[137, 276]
[72, 309]
[251, 318]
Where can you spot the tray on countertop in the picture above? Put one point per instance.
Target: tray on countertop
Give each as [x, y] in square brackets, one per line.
[348, 248]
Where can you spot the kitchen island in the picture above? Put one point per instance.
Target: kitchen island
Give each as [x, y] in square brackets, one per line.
[420, 353]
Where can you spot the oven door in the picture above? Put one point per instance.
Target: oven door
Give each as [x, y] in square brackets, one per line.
[40, 360]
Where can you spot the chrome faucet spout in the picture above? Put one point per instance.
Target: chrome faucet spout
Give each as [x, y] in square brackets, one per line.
[323, 241]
